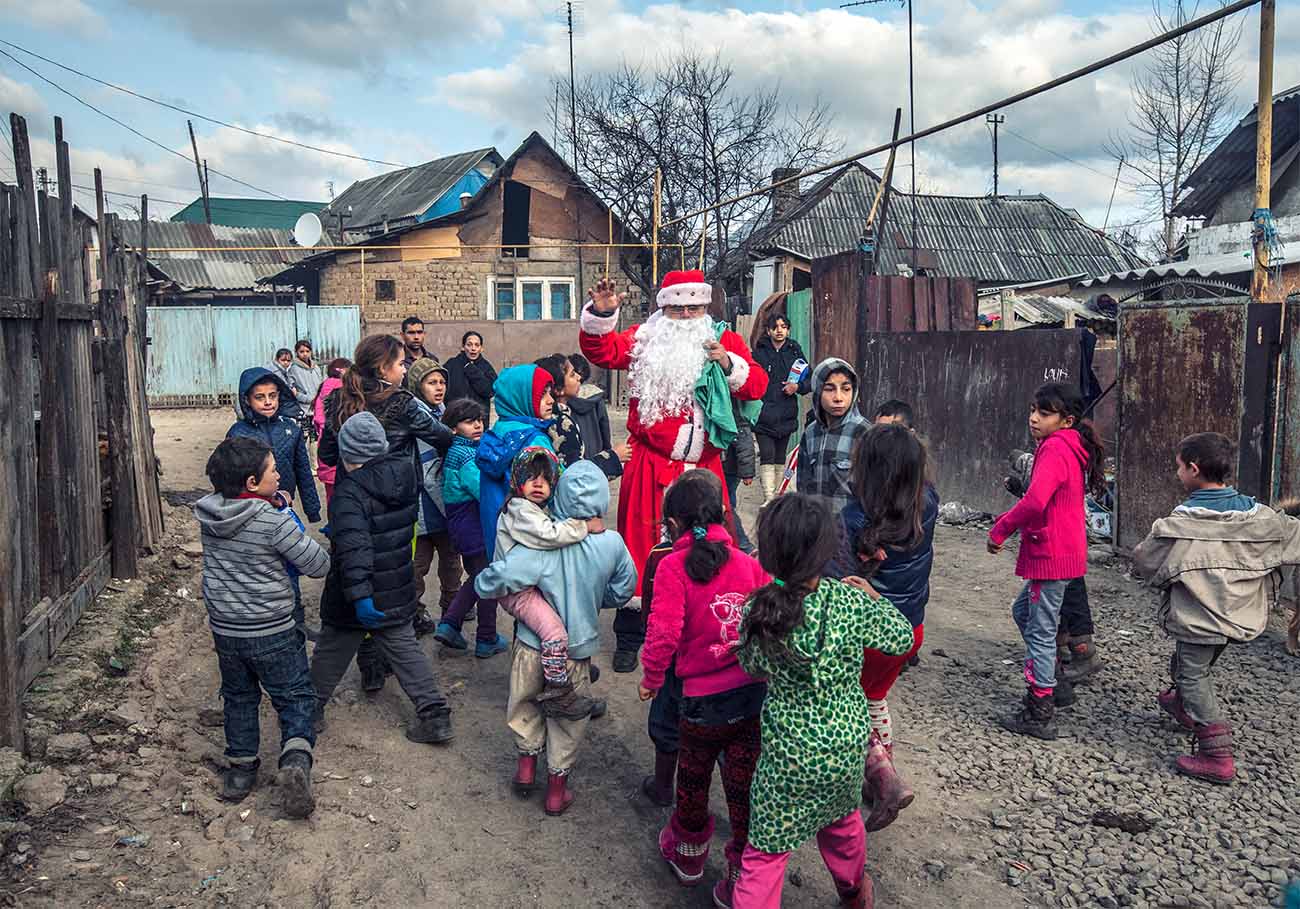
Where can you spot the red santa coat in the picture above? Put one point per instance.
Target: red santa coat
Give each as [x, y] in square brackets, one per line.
[662, 452]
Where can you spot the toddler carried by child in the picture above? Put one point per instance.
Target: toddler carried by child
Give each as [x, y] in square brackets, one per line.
[248, 543]
[1219, 562]
[1053, 544]
[525, 522]
[699, 596]
[805, 634]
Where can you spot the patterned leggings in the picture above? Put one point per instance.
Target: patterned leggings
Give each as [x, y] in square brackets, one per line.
[698, 754]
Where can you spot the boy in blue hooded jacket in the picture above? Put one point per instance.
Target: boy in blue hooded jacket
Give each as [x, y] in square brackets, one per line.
[578, 581]
[264, 396]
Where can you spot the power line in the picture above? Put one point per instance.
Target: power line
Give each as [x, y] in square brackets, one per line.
[1052, 151]
[132, 129]
[191, 113]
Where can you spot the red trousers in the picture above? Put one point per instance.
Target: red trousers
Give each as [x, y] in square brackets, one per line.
[880, 670]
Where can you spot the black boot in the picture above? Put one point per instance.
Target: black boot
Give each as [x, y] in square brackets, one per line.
[432, 728]
[238, 781]
[423, 623]
[625, 661]
[1036, 717]
[372, 677]
[1063, 693]
[1084, 662]
[561, 701]
[295, 779]
[659, 787]
[318, 718]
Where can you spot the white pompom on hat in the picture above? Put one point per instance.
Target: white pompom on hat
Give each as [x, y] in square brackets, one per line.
[684, 288]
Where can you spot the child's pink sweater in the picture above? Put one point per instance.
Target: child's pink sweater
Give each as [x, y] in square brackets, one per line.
[699, 623]
[1050, 518]
[323, 470]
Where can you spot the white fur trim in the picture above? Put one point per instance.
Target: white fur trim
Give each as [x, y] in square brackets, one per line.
[592, 323]
[685, 295]
[689, 446]
[739, 372]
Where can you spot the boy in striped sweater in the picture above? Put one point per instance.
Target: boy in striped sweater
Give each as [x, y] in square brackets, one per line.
[250, 541]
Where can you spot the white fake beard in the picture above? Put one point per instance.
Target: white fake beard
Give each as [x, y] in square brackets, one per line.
[667, 358]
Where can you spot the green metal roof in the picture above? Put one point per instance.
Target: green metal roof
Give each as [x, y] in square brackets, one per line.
[248, 212]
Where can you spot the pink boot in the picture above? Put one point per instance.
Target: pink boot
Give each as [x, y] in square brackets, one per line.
[862, 898]
[722, 889]
[1171, 702]
[558, 796]
[1211, 757]
[883, 787]
[685, 852]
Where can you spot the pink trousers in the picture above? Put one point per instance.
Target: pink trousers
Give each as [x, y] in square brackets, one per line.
[843, 846]
[531, 608]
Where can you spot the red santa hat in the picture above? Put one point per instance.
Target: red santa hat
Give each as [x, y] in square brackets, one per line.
[684, 288]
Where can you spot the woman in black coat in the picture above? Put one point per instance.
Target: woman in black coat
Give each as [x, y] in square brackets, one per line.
[469, 374]
[777, 353]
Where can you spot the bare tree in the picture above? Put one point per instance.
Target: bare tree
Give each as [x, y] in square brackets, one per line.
[711, 140]
[1182, 107]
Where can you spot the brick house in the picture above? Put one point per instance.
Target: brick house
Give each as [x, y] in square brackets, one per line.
[506, 263]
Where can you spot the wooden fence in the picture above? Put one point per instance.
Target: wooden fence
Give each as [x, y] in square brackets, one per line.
[79, 490]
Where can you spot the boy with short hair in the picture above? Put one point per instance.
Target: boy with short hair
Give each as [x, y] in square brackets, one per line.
[826, 449]
[264, 397]
[248, 543]
[1218, 563]
[371, 585]
[895, 411]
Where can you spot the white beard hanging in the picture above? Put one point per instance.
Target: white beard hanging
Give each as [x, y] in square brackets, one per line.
[667, 359]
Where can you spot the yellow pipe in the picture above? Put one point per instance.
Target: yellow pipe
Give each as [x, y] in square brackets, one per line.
[162, 249]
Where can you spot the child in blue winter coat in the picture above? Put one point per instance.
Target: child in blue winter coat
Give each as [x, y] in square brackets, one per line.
[427, 381]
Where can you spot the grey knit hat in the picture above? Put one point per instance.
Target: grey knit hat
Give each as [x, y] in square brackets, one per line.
[361, 439]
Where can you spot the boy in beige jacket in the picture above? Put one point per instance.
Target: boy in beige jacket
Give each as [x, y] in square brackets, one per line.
[1219, 562]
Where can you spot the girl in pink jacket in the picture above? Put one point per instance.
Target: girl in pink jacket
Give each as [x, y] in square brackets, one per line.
[1053, 542]
[700, 591]
[333, 380]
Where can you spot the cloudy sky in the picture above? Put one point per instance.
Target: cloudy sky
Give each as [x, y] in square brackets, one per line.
[404, 81]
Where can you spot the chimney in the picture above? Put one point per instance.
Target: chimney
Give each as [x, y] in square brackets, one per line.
[784, 198]
[465, 200]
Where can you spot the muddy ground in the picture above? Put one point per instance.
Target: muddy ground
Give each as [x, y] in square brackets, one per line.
[118, 803]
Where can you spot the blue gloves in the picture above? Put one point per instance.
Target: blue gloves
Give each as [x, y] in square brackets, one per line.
[367, 614]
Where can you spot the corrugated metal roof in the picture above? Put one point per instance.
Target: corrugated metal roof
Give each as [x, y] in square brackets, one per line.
[238, 269]
[403, 195]
[1233, 160]
[277, 213]
[1240, 263]
[1008, 240]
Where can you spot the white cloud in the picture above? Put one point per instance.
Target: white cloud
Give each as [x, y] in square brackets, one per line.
[20, 98]
[54, 15]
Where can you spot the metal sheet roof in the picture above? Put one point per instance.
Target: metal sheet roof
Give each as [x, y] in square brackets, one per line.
[1233, 160]
[1239, 263]
[211, 269]
[279, 213]
[1008, 240]
[405, 194]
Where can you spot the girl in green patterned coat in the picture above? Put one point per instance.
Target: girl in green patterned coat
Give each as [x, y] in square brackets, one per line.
[806, 635]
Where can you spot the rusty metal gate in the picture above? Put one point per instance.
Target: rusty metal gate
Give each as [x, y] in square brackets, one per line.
[970, 391]
[1196, 365]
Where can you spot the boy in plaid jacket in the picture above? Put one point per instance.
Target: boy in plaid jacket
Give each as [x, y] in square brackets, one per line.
[826, 449]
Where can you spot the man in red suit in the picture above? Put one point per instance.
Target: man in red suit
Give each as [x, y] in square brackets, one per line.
[665, 357]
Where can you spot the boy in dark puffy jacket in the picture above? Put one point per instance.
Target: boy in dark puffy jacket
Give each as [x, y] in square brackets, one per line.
[371, 584]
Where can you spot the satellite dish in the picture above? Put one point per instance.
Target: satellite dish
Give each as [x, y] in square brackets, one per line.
[307, 231]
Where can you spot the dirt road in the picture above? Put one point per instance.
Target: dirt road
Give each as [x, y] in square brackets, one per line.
[128, 771]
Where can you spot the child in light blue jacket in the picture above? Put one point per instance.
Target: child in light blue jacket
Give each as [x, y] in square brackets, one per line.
[578, 581]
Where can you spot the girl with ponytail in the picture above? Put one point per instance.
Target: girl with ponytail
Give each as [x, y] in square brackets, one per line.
[1053, 544]
[699, 596]
[805, 635]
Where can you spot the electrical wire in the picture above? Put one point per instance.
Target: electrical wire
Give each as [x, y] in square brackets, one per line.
[132, 129]
[1052, 151]
[197, 115]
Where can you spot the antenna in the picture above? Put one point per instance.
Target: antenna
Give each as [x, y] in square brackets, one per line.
[307, 230]
[996, 120]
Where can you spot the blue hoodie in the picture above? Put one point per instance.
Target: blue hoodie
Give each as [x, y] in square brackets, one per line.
[578, 580]
[283, 436]
[516, 428]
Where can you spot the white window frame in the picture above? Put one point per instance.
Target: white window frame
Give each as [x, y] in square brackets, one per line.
[519, 281]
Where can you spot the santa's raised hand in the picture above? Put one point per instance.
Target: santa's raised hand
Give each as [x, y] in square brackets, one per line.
[605, 300]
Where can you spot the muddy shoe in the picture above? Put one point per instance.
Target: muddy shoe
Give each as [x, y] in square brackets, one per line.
[1036, 717]
[433, 728]
[525, 778]
[1211, 757]
[625, 661]
[599, 708]
[423, 623]
[372, 677]
[560, 701]
[449, 636]
[318, 719]
[1063, 694]
[1171, 702]
[295, 780]
[238, 781]
[1084, 662]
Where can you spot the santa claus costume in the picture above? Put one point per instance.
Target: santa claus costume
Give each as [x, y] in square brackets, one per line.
[666, 426]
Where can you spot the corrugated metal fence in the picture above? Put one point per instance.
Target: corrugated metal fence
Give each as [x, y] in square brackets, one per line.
[196, 353]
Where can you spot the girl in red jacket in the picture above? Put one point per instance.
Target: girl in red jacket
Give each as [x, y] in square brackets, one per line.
[1053, 542]
[699, 598]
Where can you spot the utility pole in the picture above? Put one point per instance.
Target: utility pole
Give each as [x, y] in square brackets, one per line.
[199, 167]
[1118, 170]
[573, 141]
[1263, 152]
[996, 120]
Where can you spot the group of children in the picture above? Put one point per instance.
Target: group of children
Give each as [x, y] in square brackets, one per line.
[775, 668]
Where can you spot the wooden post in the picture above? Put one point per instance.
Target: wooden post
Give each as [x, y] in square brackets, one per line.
[609, 243]
[704, 232]
[198, 169]
[123, 520]
[141, 289]
[1263, 147]
[654, 237]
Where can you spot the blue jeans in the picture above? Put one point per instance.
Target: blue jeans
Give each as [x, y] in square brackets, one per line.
[733, 483]
[665, 713]
[277, 663]
[1037, 612]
